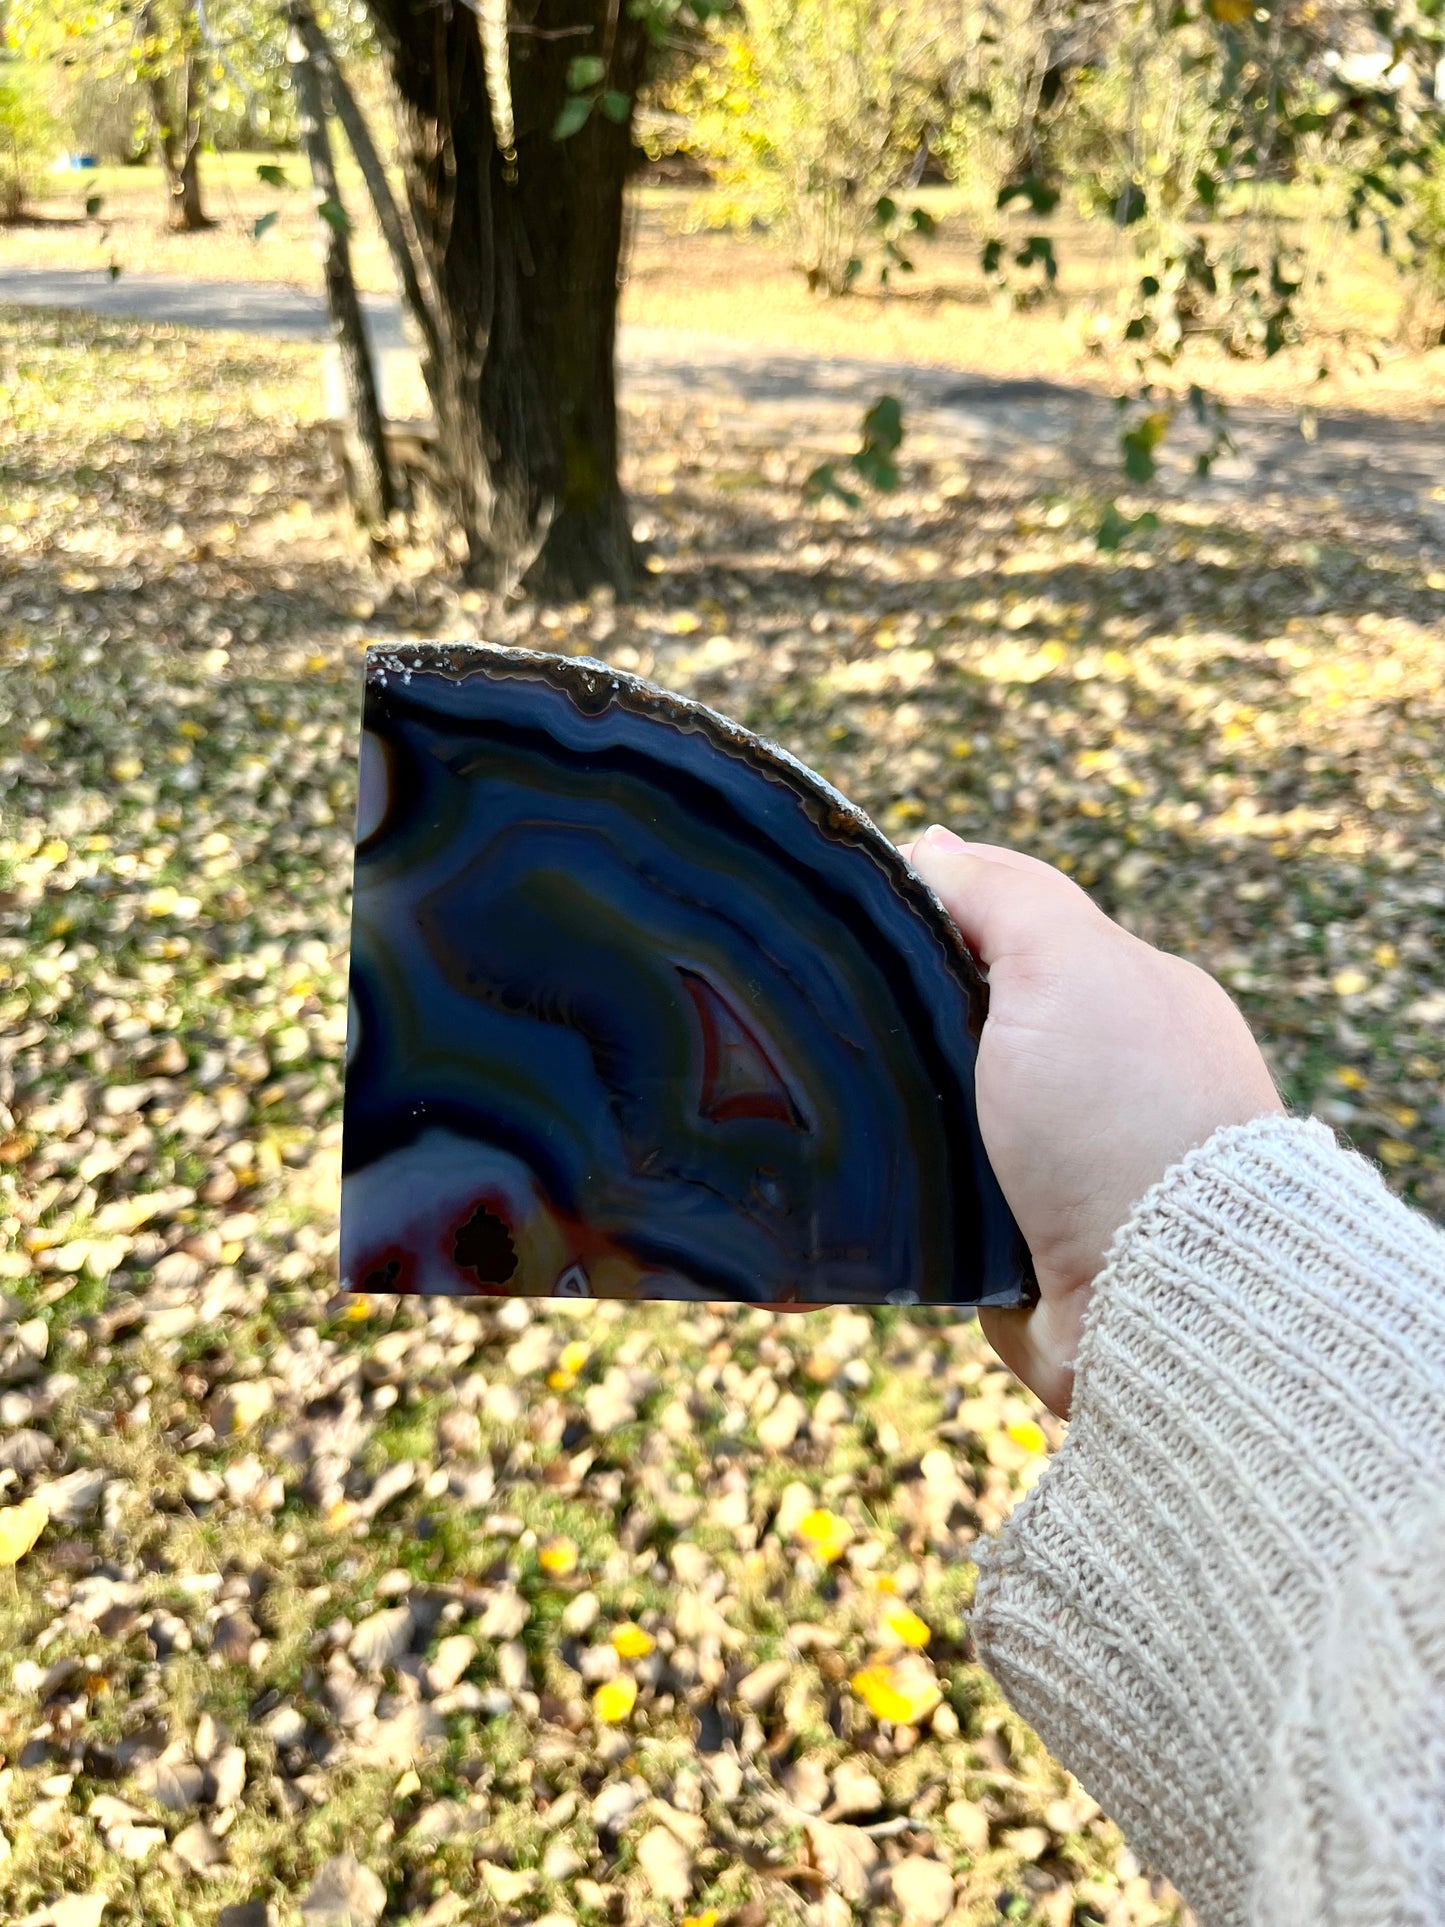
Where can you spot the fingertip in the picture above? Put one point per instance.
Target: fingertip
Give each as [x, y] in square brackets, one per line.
[939, 837]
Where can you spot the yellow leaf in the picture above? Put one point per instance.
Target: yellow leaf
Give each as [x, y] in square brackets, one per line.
[614, 1700]
[885, 1582]
[409, 1783]
[574, 1356]
[708, 1919]
[1386, 955]
[1349, 983]
[825, 1533]
[1352, 1079]
[902, 1690]
[905, 1625]
[1231, 13]
[20, 1526]
[558, 1557]
[1030, 1435]
[561, 1381]
[631, 1641]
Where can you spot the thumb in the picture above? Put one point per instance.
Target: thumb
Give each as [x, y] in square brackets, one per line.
[1004, 902]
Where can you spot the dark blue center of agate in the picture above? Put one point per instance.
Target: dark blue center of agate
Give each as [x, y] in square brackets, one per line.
[702, 1007]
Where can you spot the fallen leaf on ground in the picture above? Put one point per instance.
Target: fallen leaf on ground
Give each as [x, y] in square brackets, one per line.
[826, 1535]
[344, 1893]
[666, 1865]
[901, 1690]
[20, 1526]
[615, 1699]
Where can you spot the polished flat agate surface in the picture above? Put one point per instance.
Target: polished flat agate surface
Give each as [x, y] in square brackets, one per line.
[643, 1008]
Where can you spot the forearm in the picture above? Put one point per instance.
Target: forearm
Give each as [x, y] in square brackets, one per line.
[1236, 1540]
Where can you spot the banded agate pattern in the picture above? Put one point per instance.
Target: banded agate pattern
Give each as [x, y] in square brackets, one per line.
[643, 1008]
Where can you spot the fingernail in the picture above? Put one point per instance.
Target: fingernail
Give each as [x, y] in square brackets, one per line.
[941, 838]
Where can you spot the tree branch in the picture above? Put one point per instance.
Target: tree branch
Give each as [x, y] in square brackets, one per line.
[406, 256]
[369, 480]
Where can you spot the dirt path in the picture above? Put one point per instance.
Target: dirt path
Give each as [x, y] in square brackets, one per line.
[1383, 467]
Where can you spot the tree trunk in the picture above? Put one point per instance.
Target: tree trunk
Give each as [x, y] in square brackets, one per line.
[187, 213]
[524, 257]
[368, 473]
[407, 261]
[180, 145]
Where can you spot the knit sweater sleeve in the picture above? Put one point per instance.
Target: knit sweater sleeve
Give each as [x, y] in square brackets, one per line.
[1223, 1606]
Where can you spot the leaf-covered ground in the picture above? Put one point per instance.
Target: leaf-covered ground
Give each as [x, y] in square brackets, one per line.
[375, 1610]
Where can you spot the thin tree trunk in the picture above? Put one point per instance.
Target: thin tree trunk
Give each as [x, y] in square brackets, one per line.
[192, 216]
[524, 255]
[407, 260]
[180, 146]
[369, 474]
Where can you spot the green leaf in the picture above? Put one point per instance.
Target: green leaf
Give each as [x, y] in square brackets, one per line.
[1140, 442]
[885, 210]
[922, 222]
[584, 70]
[1113, 528]
[93, 204]
[883, 424]
[615, 105]
[335, 216]
[263, 222]
[876, 469]
[272, 175]
[824, 481]
[575, 110]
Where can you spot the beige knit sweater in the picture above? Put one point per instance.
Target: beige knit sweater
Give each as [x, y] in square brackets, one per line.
[1223, 1606]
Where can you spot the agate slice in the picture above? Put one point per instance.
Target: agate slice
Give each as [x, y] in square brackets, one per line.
[643, 1008]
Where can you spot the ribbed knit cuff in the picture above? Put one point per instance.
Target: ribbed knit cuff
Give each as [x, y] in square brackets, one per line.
[1258, 1419]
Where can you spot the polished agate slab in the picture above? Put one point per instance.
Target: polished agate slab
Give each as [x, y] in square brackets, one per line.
[642, 1008]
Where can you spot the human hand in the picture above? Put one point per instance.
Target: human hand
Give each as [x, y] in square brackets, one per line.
[1102, 1061]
